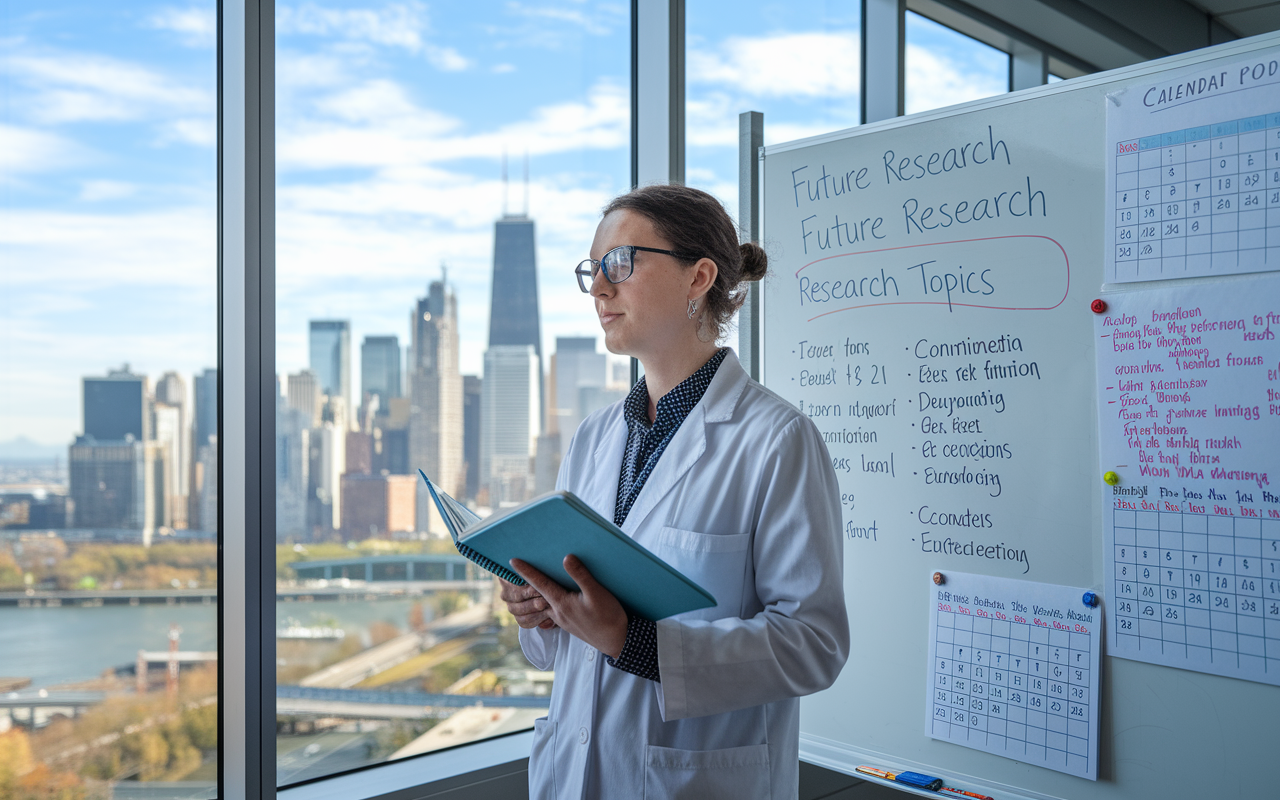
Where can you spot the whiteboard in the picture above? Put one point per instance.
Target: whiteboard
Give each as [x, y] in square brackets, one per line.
[938, 301]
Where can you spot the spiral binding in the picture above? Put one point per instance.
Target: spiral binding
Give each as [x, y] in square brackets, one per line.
[492, 566]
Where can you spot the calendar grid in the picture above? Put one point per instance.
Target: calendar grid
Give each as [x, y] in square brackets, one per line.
[1013, 688]
[1203, 200]
[1201, 589]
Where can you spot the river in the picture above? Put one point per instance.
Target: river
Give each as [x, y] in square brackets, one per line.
[71, 643]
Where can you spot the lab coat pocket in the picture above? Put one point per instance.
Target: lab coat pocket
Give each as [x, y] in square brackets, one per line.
[715, 561]
[740, 773]
[542, 761]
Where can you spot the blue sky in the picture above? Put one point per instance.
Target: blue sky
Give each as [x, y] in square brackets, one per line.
[392, 119]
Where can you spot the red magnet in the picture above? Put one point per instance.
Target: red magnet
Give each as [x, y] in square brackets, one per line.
[938, 579]
[1099, 306]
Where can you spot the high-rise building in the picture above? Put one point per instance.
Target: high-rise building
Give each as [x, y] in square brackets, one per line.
[166, 423]
[305, 395]
[576, 366]
[328, 460]
[509, 423]
[205, 414]
[435, 394]
[116, 406]
[114, 466]
[331, 357]
[471, 433]
[380, 368]
[293, 471]
[109, 482]
[207, 464]
[171, 390]
[513, 307]
[204, 426]
[378, 505]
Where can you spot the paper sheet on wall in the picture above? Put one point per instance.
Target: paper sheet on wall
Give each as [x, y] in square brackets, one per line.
[1189, 417]
[1014, 671]
[1193, 173]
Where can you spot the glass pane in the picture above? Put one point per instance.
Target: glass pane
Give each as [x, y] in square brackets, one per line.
[796, 62]
[108, 404]
[427, 318]
[945, 67]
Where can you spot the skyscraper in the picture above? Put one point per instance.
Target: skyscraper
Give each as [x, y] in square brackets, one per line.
[509, 423]
[331, 359]
[205, 414]
[304, 395]
[204, 452]
[577, 366]
[513, 304]
[293, 471]
[435, 394]
[380, 368]
[171, 392]
[471, 432]
[113, 465]
[116, 406]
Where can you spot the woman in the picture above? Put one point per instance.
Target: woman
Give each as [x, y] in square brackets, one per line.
[724, 481]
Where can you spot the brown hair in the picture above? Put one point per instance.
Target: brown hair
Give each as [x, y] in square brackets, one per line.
[695, 223]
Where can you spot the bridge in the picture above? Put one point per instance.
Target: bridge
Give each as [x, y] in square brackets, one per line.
[69, 703]
[398, 568]
[374, 704]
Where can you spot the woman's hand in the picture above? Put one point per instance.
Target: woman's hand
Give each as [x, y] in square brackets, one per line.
[527, 606]
[592, 614]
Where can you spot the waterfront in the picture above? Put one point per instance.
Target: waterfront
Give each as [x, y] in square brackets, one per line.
[54, 646]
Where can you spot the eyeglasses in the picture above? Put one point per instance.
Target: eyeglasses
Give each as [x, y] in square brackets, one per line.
[618, 264]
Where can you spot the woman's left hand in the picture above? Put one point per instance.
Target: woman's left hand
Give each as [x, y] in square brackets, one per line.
[592, 614]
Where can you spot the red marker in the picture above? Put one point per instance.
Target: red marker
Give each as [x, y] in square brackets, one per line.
[963, 793]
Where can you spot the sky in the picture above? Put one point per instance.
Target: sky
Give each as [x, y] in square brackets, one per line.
[393, 119]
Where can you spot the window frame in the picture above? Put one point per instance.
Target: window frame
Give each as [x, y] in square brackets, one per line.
[246, 49]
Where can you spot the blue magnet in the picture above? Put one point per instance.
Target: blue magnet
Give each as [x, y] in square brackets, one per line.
[1090, 599]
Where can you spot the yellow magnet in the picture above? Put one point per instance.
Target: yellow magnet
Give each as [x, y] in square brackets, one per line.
[1111, 478]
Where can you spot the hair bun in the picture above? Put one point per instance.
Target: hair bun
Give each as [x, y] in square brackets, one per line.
[754, 262]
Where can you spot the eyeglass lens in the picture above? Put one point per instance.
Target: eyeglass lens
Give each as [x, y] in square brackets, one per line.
[618, 264]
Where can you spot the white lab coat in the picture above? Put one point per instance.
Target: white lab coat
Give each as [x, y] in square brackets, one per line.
[743, 501]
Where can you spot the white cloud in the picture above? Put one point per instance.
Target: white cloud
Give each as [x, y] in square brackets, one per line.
[26, 150]
[382, 127]
[934, 80]
[398, 25]
[395, 25]
[598, 21]
[502, 69]
[446, 59]
[76, 87]
[92, 251]
[94, 191]
[198, 27]
[782, 65]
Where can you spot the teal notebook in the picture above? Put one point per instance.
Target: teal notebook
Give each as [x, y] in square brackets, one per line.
[546, 529]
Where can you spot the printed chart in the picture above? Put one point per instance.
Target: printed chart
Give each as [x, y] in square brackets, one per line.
[1189, 383]
[1014, 671]
[1193, 176]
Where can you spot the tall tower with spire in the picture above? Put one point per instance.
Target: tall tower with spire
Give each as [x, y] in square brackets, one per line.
[512, 415]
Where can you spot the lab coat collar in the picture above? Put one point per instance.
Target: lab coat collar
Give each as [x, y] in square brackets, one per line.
[684, 450]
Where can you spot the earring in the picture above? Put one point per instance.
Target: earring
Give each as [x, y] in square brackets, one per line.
[693, 308]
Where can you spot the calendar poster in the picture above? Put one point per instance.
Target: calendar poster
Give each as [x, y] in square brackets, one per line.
[1193, 173]
[1189, 425]
[1013, 670]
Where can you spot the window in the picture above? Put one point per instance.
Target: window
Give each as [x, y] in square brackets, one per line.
[108, 411]
[440, 172]
[945, 67]
[797, 63]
